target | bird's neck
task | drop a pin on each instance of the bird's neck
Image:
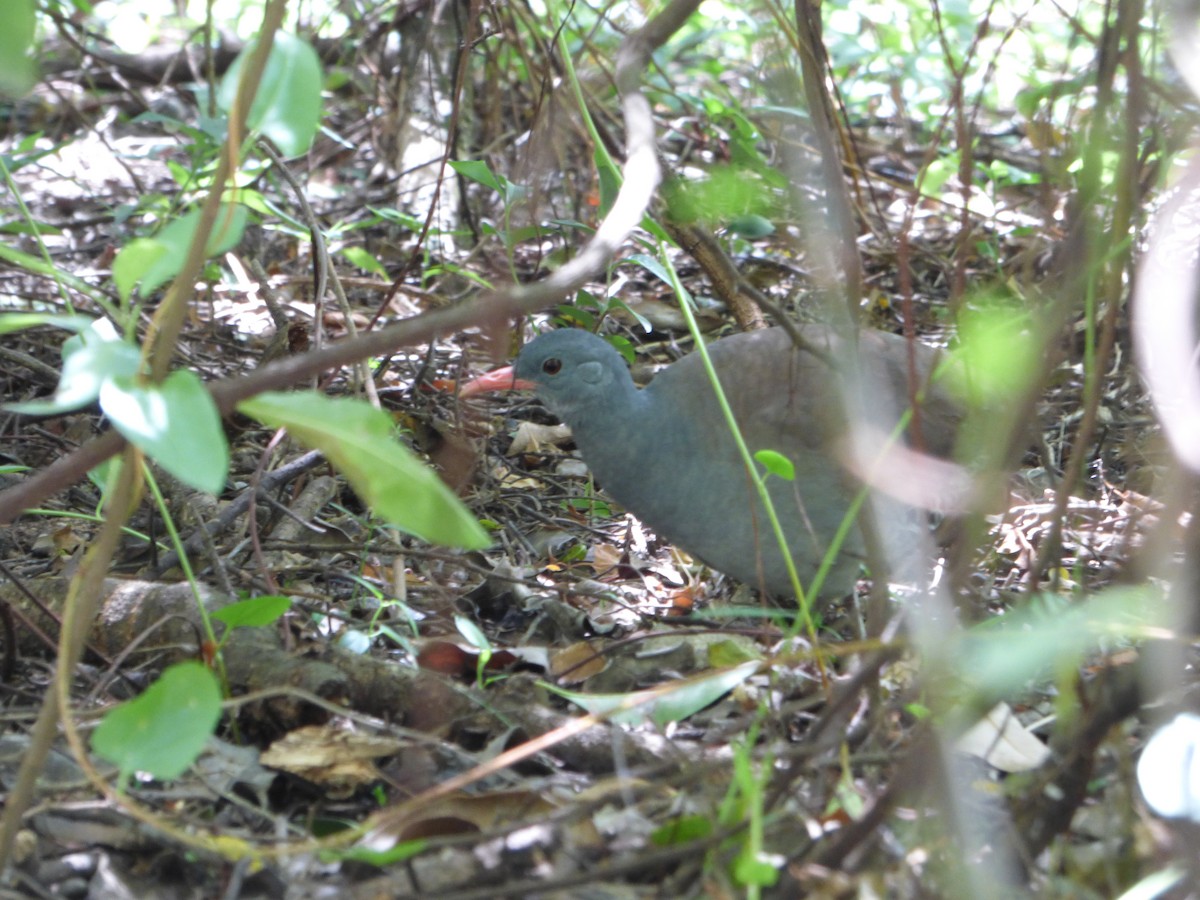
(622, 411)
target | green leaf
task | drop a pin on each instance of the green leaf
(154, 268)
(381, 859)
(937, 173)
(1000, 348)
(668, 703)
(651, 265)
(777, 464)
(656, 231)
(105, 474)
(181, 174)
(477, 170)
(175, 423)
(354, 641)
(253, 613)
(164, 730)
(17, 70)
(136, 258)
(736, 194)
(654, 267)
(472, 632)
(1004, 654)
(610, 181)
(751, 226)
(364, 260)
(357, 438)
(757, 869)
(36, 227)
(729, 653)
(576, 317)
(91, 358)
(11, 322)
(643, 322)
(510, 191)
(255, 202)
(682, 830)
(623, 346)
(287, 107)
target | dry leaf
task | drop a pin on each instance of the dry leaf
(339, 761)
(577, 663)
(531, 437)
(605, 557)
(1000, 740)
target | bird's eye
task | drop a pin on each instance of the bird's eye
(552, 366)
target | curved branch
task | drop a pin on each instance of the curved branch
(641, 179)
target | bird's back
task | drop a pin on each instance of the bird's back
(682, 475)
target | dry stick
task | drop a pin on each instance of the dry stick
(234, 510)
(9, 620)
(641, 174)
(1049, 327)
(911, 772)
(162, 337)
(731, 287)
(34, 601)
(816, 75)
(727, 283)
(814, 67)
(83, 598)
(845, 259)
(460, 79)
(322, 267)
(641, 179)
(1086, 237)
(962, 133)
(493, 306)
(1107, 698)
(252, 511)
(82, 601)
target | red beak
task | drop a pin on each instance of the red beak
(500, 380)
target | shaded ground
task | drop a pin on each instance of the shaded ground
(837, 763)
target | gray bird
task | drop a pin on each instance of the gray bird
(665, 454)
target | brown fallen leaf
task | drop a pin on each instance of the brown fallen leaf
(337, 760)
(530, 437)
(577, 663)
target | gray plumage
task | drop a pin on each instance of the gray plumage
(665, 454)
